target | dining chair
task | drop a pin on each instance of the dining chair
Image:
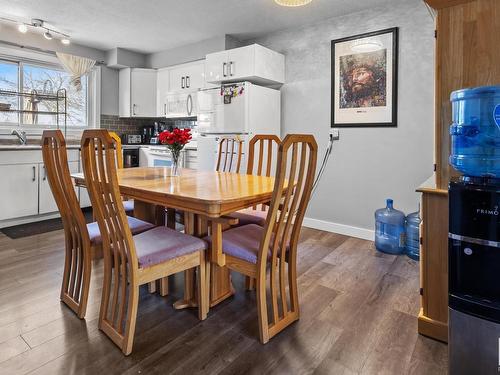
(131, 261)
(128, 204)
(83, 241)
(260, 165)
(229, 154)
(253, 250)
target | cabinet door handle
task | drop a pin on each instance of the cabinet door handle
(34, 173)
(133, 109)
(44, 173)
(182, 82)
(231, 64)
(188, 82)
(224, 69)
(165, 109)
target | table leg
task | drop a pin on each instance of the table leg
(220, 277)
(189, 299)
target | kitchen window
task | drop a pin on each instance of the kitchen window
(36, 112)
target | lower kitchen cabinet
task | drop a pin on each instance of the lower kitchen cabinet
(19, 190)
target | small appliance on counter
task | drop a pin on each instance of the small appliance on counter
(474, 233)
(390, 229)
(131, 139)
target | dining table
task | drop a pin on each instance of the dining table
(205, 197)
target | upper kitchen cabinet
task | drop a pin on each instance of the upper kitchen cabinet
(253, 63)
(189, 76)
(162, 89)
(137, 92)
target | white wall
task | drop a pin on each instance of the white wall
(367, 165)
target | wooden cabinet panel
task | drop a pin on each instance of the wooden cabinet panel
(467, 55)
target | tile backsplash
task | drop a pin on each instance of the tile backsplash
(122, 125)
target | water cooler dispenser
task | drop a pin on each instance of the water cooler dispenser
(474, 276)
(474, 233)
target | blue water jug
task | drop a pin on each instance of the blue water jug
(412, 241)
(475, 131)
(390, 229)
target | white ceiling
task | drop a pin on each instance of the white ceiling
(155, 25)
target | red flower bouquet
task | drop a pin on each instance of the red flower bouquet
(175, 142)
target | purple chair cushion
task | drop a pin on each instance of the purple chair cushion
(242, 242)
(161, 244)
(250, 216)
(128, 206)
(136, 226)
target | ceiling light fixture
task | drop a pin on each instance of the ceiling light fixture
(22, 28)
(47, 35)
(292, 3)
(38, 24)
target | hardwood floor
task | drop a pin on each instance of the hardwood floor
(358, 316)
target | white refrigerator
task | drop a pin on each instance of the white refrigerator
(241, 110)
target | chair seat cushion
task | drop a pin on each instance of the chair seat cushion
(242, 242)
(161, 244)
(136, 226)
(128, 206)
(250, 216)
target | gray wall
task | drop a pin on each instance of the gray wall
(190, 52)
(367, 165)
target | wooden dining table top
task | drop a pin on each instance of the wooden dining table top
(209, 193)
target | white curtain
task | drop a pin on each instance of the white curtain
(76, 66)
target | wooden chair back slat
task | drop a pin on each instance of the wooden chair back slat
(77, 265)
(229, 149)
(118, 149)
(264, 157)
(120, 260)
(297, 157)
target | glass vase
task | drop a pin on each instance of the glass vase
(175, 166)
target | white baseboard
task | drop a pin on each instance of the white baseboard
(347, 230)
(28, 219)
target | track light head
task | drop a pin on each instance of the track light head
(22, 28)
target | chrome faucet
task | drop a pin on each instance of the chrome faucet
(20, 135)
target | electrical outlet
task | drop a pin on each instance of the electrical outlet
(334, 132)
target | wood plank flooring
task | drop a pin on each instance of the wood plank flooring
(358, 316)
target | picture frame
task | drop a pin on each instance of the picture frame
(364, 80)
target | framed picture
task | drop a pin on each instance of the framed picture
(365, 80)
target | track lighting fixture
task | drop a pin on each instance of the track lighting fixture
(37, 23)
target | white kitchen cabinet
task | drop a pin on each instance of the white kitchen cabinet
(253, 63)
(162, 89)
(187, 77)
(137, 92)
(47, 203)
(19, 190)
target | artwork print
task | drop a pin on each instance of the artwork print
(364, 80)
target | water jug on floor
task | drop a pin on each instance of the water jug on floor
(475, 131)
(413, 235)
(390, 229)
